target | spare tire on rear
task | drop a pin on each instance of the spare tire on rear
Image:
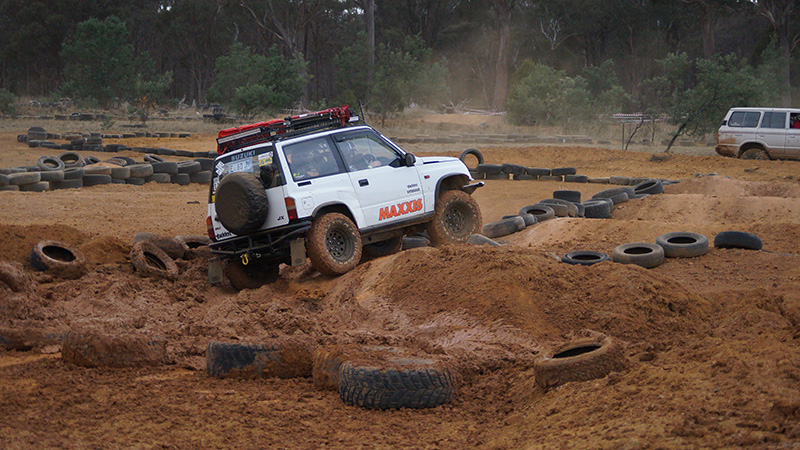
(241, 203)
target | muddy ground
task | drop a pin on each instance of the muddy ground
(712, 341)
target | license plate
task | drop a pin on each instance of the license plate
(244, 165)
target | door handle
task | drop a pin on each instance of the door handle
(363, 182)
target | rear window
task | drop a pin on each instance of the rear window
(744, 119)
(774, 120)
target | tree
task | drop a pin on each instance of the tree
(503, 9)
(250, 82)
(546, 96)
(148, 87)
(98, 61)
(780, 14)
(697, 93)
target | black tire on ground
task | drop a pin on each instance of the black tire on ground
(572, 209)
(58, 259)
(89, 160)
(141, 170)
(206, 164)
(471, 151)
(597, 209)
(529, 219)
(97, 170)
(35, 187)
(489, 169)
(579, 360)
(576, 178)
(503, 227)
(683, 244)
(397, 383)
(479, 239)
(241, 203)
(46, 163)
(151, 261)
(456, 217)
(192, 242)
(120, 173)
(135, 181)
(189, 167)
(159, 178)
(96, 180)
(67, 184)
(649, 187)
(563, 171)
(513, 169)
(11, 187)
(540, 211)
(558, 209)
(3, 180)
(584, 258)
(537, 172)
(581, 209)
(74, 173)
(252, 276)
(21, 178)
(93, 350)
(622, 181)
(738, 239)
(169, 167)
(182, 179)
(52, 175)
(551, 178)
(333, 244)
(410, 242)
(383, 248)
(642, 254)
(496, 176)
(277, 359)
(570, 196)
(170, 246)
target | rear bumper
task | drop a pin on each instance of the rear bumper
(726, 150)
(269, 246)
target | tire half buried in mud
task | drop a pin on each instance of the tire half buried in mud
(151, 261)
(397, 382)
(278, 359)
(94, 350)
(579, 360)
(58, 259)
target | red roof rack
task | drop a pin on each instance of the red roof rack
(234, 138)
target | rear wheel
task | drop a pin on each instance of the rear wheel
(456, 217)
(334, 244)
(755, 153)
(251, 276)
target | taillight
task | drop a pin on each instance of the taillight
(291, 208)
(210, 228)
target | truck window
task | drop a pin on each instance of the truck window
(362, 151)
(774, 120)
(743, 119)
(311, 159)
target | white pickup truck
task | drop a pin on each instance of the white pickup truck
(323, 186)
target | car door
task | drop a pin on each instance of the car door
(773, 132)
(388, 191)
(793, 136)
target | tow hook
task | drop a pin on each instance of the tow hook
(245, 259)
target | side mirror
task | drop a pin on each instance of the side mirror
(409, 159)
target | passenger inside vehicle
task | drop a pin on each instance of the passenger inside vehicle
(794, 120)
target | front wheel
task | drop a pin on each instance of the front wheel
(755, 153)
(456, 217)
(334, 244)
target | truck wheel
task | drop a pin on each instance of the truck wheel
(755, 153)
(384, 248)
(456, 217)
(334, 244)
(241, 203)
(252, 276)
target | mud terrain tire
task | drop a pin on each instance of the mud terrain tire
(642, 254)
(456, 217)
(540, 211)
(503, 227)
(252, 276)
(649, 187)
(471, 151)
(151, 261)
(579, 360)
(334, 244)
(278, 359)
(683, 244)
(241, 203)
(58, 259)
(398, 383)
(92, 350)
(570, 196)
(738, 239)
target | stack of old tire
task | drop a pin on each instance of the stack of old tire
(69, 171)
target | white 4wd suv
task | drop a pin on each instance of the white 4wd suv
(323, 186)
(760, 133)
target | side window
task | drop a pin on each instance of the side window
(774, 120)
(362, 151)
(311, 159)
(744, 119)
(794, 121)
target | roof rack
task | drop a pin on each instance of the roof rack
(235, 138)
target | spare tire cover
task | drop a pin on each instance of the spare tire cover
(241, 203)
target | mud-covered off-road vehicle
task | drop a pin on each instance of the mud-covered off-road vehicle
(327, 187)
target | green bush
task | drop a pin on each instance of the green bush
(8, 102)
